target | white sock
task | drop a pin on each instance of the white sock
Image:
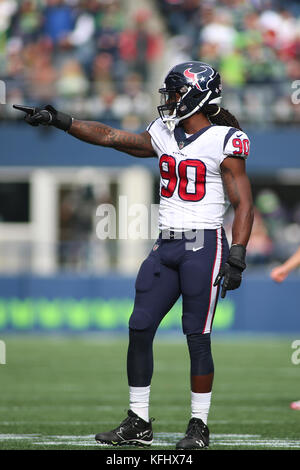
(139, 401)
(200, 404)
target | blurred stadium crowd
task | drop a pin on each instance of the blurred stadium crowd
(92, 57)
(255, 44)
(87, 56)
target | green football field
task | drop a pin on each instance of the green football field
(57, 392)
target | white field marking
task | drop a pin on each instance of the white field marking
(213, 422)
(261, 443)
(110, 408)
(270, 409)
(50, 407)
(81, 443)
(8, 437)
(250, 440)
(110, 422)
(93, 423)
(160, 440)
(245, 398)
(47, 386)
(231, 436)
(67, 423)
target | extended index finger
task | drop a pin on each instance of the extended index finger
(26, 109)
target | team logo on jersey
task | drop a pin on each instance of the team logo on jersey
(201, 78)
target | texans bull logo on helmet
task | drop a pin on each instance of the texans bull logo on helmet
(200, 78)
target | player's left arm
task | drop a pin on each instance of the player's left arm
(238, 189)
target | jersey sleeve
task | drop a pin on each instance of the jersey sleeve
(236, 144)
(156, 130)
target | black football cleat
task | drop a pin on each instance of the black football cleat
(196, 436)
(132, 431)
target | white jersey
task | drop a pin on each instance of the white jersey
(192, 195)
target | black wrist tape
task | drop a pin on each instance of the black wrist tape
(237, 255)
(60, 120)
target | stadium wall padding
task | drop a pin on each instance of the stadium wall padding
(271, 149)
(72, 303)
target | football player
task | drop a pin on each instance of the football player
(279, 274)
(201, 151)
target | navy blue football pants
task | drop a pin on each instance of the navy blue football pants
(175, 267)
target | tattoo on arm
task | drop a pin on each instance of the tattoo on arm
(97, 133)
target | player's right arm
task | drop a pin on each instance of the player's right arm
(96, 133)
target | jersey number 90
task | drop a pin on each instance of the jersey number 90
(191, 178)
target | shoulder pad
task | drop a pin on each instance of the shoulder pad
(236, 143)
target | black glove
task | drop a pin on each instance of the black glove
(47, 116)
(232, 269)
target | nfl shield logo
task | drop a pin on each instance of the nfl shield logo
(155, 247)
(181, 145)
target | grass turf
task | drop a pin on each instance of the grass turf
(57, 392)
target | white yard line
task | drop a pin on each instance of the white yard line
(160, 439)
